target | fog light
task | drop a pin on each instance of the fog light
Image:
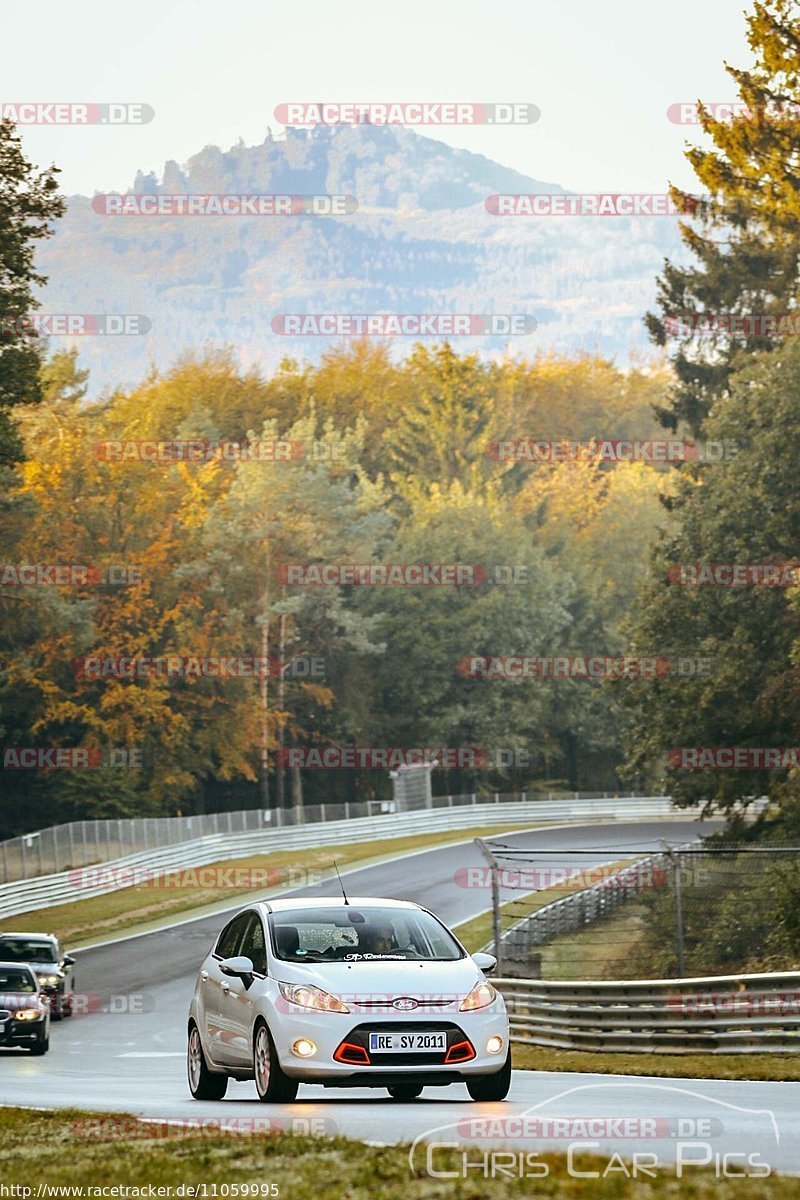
(304, 1048)
(494, 1045)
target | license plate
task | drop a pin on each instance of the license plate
(406, 1043)
(2, 1026)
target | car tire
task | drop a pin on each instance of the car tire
(491, 1087)
(272, 1085)
(203, 1084)
(40, 1046)
(405, 1091)
(66, 1006)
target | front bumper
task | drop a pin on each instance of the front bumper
(22, 1033)
(329, 1030)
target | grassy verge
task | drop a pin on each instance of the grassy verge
(43, 1148)
(179, 894)
(668, 1066)
(606, 950)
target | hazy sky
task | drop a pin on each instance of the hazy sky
(602, 74)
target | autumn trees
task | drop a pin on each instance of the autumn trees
(386, 463)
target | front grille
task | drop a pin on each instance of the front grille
(423, 1004)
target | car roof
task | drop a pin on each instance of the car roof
(4, 966)
(337, 902)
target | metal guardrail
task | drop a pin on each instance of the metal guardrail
(726, 1014)
(79, 843)
(67, 886)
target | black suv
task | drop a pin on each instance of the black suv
(24, 1012)
(52, 968)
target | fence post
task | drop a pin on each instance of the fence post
(675, 859)
(496, 933)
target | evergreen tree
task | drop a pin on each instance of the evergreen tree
(746, 246)
(29, 202)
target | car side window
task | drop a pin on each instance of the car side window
(231, 936)
(254, 946)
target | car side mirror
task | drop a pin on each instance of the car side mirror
(239, 968)
(68, 961)
(485, 962)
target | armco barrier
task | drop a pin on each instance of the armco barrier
(32, 894)
(81, 843)
(728, 1014)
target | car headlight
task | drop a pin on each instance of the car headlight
(27, 1014)
(307, 996)
(481, 996)
(49, 980)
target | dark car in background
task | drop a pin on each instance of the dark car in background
(52, 968)
(24, 1011)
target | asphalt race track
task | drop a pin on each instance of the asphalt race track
(133, 1061)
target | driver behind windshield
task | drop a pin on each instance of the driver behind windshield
(376, 939)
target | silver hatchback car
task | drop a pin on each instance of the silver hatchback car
(345, 993)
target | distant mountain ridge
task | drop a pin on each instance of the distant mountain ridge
(420, 242)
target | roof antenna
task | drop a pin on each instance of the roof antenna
(341, 885)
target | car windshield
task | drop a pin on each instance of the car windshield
(14, 949)
(14, 980)
(350, 934)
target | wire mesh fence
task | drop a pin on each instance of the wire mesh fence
(685, 910)
(82, 843)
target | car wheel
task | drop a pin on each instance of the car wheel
(491, 1087)
(203, 1084)
(271, 1083)
(41, 1045)
(405, 1091)
(66, 1006)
